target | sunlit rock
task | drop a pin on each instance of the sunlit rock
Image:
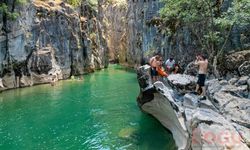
(233, 80)
(244, 133)
(215, 123)
(190, 100)
(183, 83)
(1, 83)
(243, 80)
(9, 81)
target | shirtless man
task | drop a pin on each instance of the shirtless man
(202, 62)
(154, 63)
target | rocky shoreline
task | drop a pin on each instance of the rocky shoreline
(222, 121)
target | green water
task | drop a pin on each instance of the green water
(99, 113)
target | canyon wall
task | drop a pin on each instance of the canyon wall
(52, 39)
(140, 34)
(49, 40)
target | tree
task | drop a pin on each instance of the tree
(206, 20)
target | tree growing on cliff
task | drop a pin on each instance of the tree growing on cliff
(210, 21)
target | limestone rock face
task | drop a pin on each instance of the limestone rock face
(50, 39)
(244, 68)
(145, 36)
(236, 59)
(114, 26)
(236, 63)
(221, 121)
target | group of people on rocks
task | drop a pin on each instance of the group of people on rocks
(160, 68)
(163, 69)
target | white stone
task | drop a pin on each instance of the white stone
(1, 83)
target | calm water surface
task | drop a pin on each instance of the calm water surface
(98, 113)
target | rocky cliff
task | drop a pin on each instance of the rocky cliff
(219, 122)
(49, 39)
(52, 39)
(143, 34)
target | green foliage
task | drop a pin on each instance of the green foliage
(21, 2)
(10, 15)
(92, 36)
(74, 3)
(93, 2)
(3, 8)
(206, 18)
(186, 11)
(239, 14)
(119, 3)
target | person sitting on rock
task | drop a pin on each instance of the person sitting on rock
(202, 62)
(170, 64)
(176, 68)
(160, 69)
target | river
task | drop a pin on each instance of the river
(98, 112)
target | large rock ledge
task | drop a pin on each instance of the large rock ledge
(222, 121)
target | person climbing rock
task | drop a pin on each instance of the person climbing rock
(202, 62)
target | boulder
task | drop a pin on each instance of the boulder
(243, 80)
(234, 60)
(215, 85)
(183, 83)
(216, 136)
(233, 80)
(233, 108)
(190, 100)
(244, 68)
(9, 81)
(26, 81)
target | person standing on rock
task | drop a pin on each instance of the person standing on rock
(202, 62)
(154, 63)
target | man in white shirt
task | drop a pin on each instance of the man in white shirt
(170, 64)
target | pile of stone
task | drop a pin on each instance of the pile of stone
(222, 121)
